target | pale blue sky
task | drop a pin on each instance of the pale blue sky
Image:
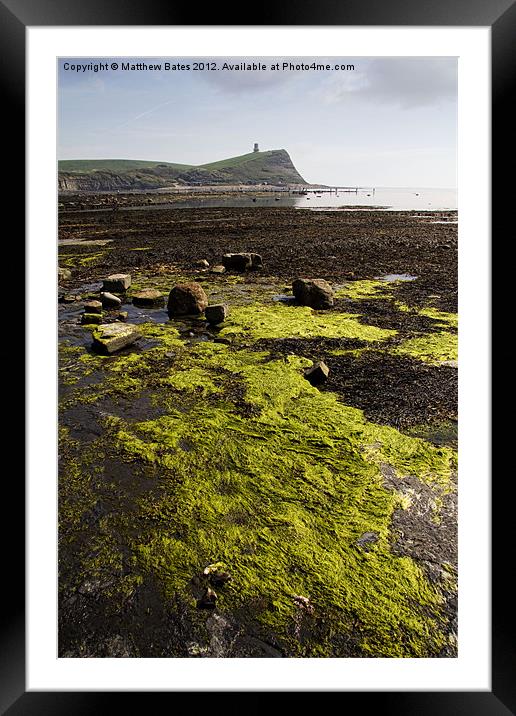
(390, 122)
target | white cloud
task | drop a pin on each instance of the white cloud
(400, 81)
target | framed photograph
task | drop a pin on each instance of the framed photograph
(258, 302)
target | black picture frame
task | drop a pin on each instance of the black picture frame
(500, 15)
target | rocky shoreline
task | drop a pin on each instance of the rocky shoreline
(297, 437)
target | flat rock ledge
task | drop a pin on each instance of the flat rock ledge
(112, 337)
(148, 298)
(118, 283)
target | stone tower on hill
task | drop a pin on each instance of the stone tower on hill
(256, 147)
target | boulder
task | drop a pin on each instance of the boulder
(70, 298)
(109, 300)
(93, 307)
(149, 298)
(318, 373)
(218, 268)
(112, 337)
(216, 314)
(186, 299)
(316, 293)
(63, 274)
(202, 264)
(118, 282)
(237, 262)
(122, 316)
(90, 318)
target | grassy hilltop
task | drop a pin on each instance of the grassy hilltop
(274, 167)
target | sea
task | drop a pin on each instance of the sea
(393, 199)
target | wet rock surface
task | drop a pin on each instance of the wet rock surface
(395, 390)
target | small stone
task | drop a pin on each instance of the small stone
(109, 300)
(63, 274)
(218, 268)
(70, 298)
(216, 314)
(90, 318)
(111, 337)
(93, 307)
(208, 599)
(237, 262)
(318, 373)
(149, 297)
(217, 574)
(366, 540)
(118, 282)
(122, 316)
(316, 293)
(303, 603)
(450, 363)
(202, 264)
(219, 578)
(211, 568)
(186, 299)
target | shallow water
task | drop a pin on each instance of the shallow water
(391, 277)
(395, 199)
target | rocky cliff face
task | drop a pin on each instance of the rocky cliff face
(274, 167)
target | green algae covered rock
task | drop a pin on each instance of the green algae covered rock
(112, 337)
(91, 318)
(93, 307)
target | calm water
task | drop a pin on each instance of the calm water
(394, 199)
